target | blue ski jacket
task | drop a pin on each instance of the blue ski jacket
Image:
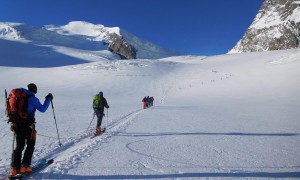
(35, 104)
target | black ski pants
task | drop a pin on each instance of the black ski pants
(99, 114)
(24, 136)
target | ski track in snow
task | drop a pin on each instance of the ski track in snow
(128, 146)
(71, 153)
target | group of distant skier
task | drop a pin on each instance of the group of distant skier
(147, 101)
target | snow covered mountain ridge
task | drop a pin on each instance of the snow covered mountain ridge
(7, 31)
(275, 27)
(85, 36)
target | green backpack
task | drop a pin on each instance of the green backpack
(97, 103)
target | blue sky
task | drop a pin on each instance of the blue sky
(196, 27)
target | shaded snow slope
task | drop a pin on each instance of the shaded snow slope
(146, 49)
(38, 47)
(219, 117)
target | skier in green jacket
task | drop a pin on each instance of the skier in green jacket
(99, 103)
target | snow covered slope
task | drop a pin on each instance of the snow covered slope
(276, 26)
(38, 47)
(76, 42)
(220, 117)
(98, 32)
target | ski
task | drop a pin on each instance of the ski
(42, 164)
(95, 135)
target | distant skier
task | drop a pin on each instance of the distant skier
(99, 103)
(24, 128)
(151, 100)
(148, 101)
(145, 102)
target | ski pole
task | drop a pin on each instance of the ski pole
(91, 122)
(106, 117)
(107, 114)
(55, 123)
(6, 105)
(13, 145)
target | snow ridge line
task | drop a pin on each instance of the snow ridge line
(70, 156)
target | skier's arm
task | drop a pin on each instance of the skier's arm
(42, 107)
(105, 103)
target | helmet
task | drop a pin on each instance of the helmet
(101, 93)
(32, 88)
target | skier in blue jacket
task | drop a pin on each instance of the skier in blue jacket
(25, 132)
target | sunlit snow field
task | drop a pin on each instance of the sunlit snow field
(226, 116)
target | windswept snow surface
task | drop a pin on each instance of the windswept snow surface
(220, 117)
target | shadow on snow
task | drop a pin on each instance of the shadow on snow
(17, 54)
(137, 134)
(183, 175)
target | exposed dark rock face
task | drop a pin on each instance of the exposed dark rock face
(275, 27)
(119, 46)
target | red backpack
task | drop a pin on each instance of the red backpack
(16, 105)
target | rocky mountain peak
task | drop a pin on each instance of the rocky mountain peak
(275, 27)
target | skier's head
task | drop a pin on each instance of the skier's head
(101, 93)
(32, 88)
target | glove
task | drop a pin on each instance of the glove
(49, 96)
(107, 106)
(13, 128)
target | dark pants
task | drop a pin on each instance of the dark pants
(99, 115)
(24, 135)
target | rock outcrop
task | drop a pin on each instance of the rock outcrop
(275, 27)
(119, 46)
